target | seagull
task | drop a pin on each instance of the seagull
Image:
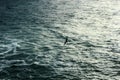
(66, 40)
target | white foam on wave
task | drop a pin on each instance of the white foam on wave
(14, 43)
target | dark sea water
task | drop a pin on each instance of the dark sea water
(32, 35)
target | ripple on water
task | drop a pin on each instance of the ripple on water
(28, 71)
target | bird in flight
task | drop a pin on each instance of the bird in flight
(66, 40)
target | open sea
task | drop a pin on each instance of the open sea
(33, 32)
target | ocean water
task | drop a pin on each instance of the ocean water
(32, 35)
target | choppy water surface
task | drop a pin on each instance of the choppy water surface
(32, 33)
